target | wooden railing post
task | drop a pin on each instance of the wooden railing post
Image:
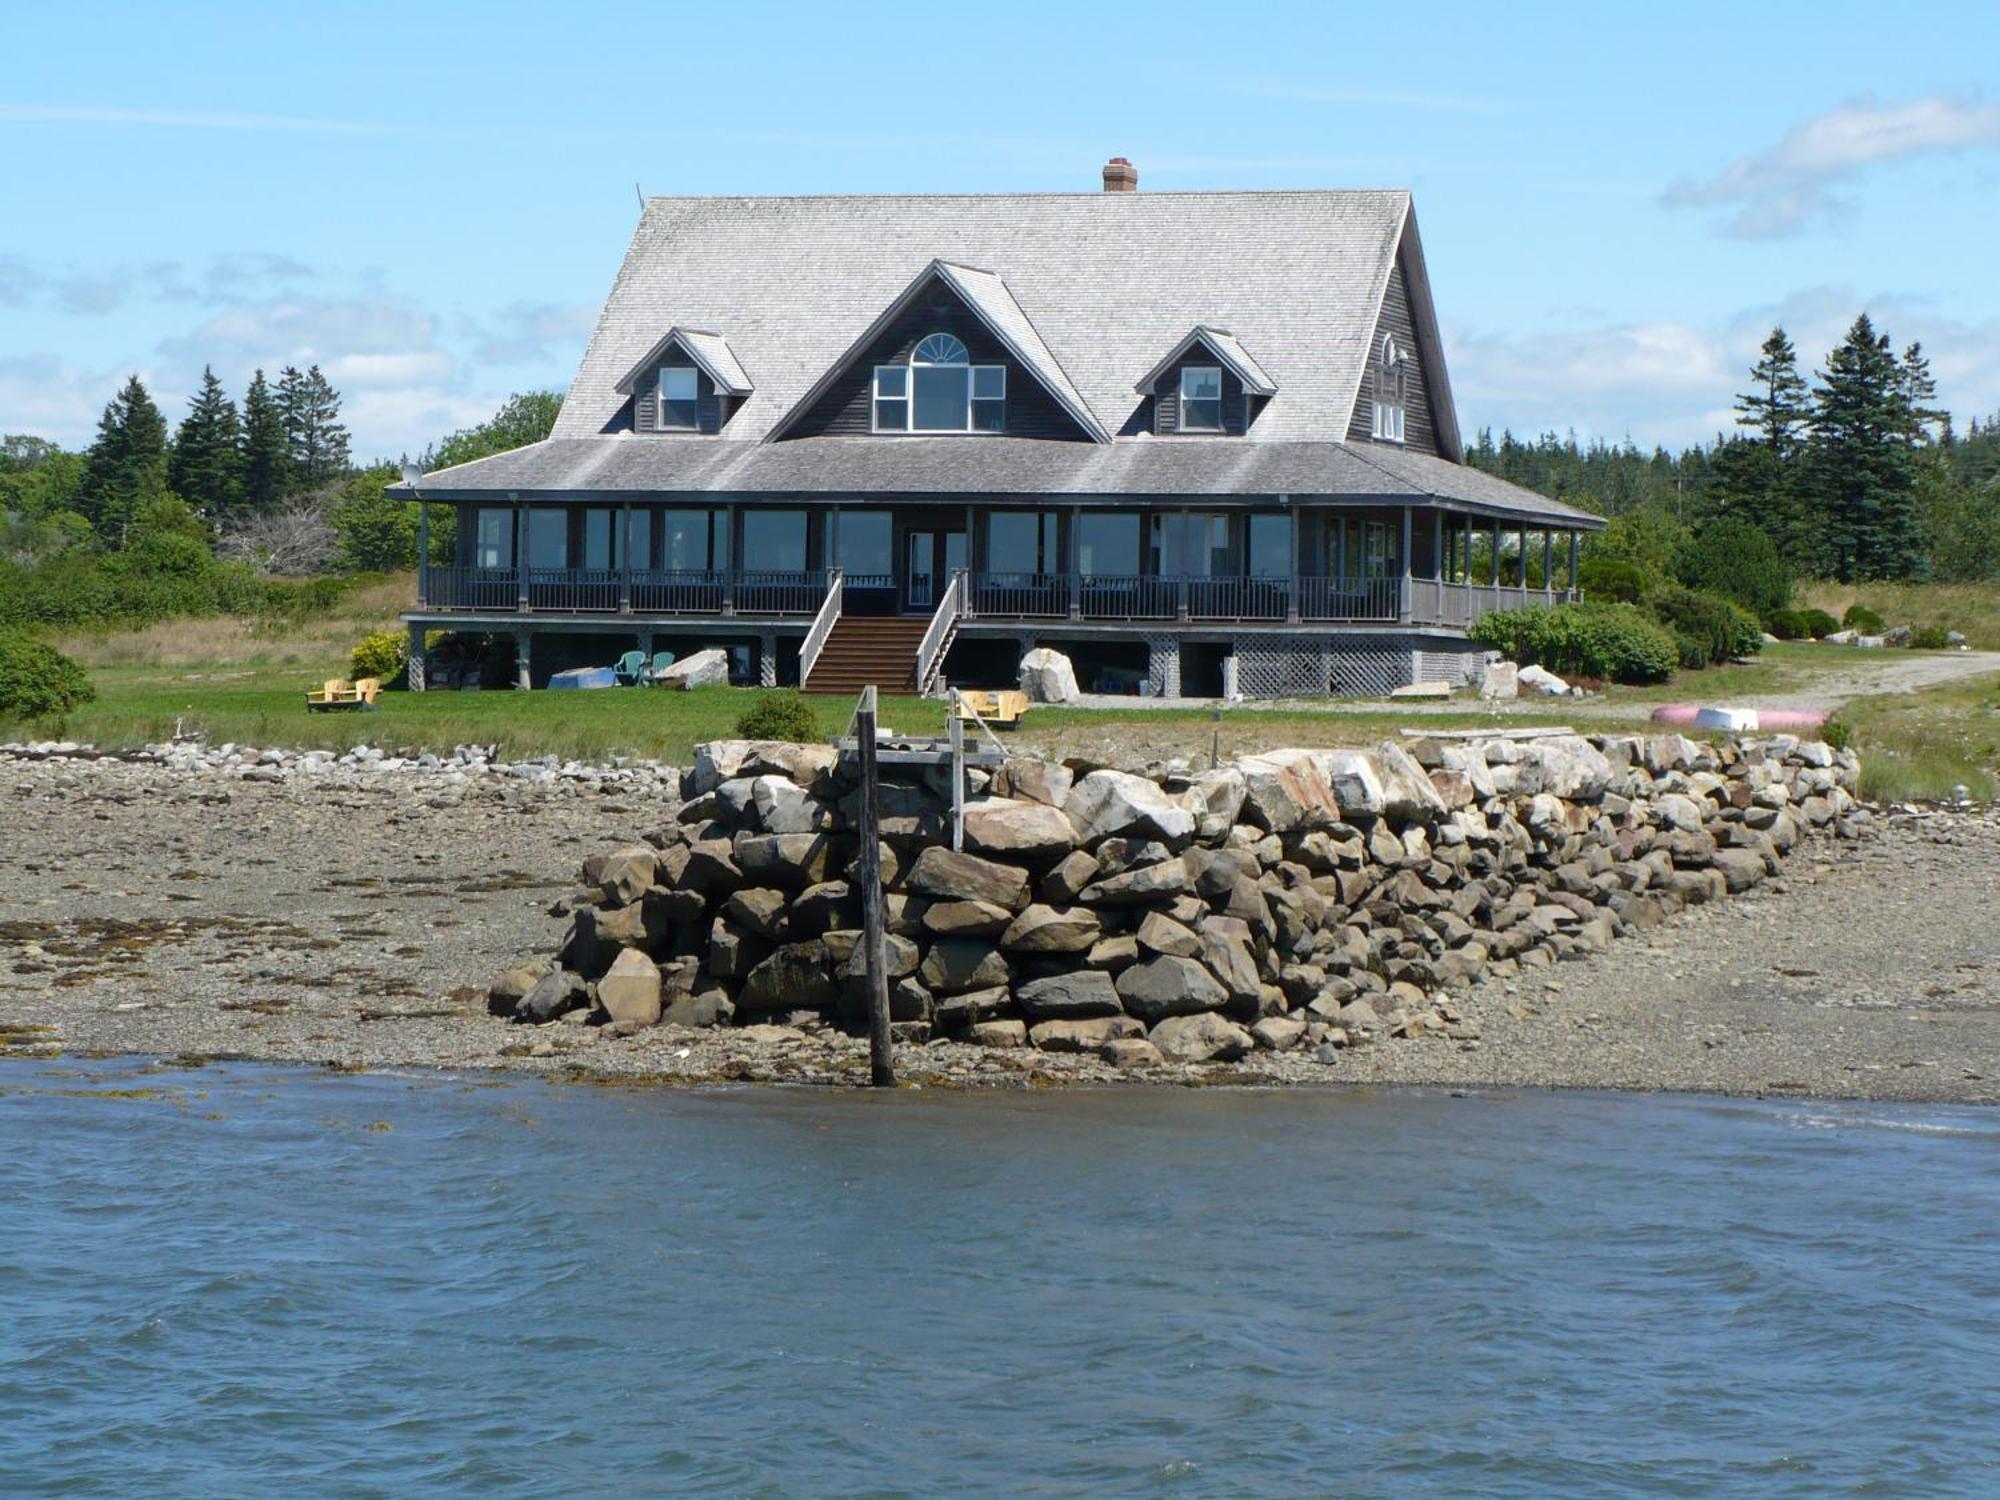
(881, 1053)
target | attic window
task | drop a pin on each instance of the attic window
(1390, 378)
(680, 410)
(1201, 398)
(940, 390)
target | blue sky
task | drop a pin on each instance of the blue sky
(429, 201)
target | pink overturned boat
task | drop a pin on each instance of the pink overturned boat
(1740, 720)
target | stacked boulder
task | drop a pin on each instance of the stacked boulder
(1298, 898)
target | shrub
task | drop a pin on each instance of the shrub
(1788, 625)
(1820, 624)
(1836, 733)
(1612, 578)
(1749, 632)
(779, 716)
(1735, 560)
(1708, 628)
(37, 681)
(1614, 641)
(1863, 620)
(380, 656)
(1930, 638)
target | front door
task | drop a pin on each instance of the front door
(930, 559)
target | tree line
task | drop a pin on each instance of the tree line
(1853, 475)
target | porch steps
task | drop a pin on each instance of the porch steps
(861, 649)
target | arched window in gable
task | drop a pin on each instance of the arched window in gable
(940, 390)
(1391, 382)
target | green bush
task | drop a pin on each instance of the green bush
(1820, 624)
(1930, 638)
(1611, 578)
(1749, 632)
(37, 681)
(1836, 734)
(380, 656)
(1862, 620)
(1613, 641)
(1789, 625)
(1735, 560)
(783, 715)
(1709, 629)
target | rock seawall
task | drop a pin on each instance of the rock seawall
(1299, 899)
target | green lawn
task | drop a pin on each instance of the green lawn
(1927, 744)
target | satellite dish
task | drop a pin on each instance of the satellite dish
(411, 474)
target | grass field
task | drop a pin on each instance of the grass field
(1929, 743)
(1971, 607)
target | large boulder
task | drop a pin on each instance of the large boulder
(955, 965)
(630, 990)
(1572, 767)
(1051, 929)
(952, 876)
(1029, 832)
(1500, 682)
(1286, 790)
(1201, 1038)
(708, 668)
(555, 992)
(791, 860)
(1137, 887)
(1168, 986)
(1106, 803)
(1407, 793)
(793, 978)
(1216, 799)
(1021, 780)
(1048, 677)
(1356, 781)
(624, 875)
(1069, 997)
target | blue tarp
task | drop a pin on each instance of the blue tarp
(584, 677)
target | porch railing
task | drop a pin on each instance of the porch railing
(822, 627)
(575, 590)
(472, 588)
(662, 591)
(768, 592)
(943, 626)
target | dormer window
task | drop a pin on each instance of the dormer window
(1390, 378)
(1201, 398)
(680, 405)
(940, 390)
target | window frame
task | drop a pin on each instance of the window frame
(906, 398)
(1391, 395)
(660, 422)
(1181, 422)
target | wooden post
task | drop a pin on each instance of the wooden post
(881, 1055)
(423, 554)
(957, 732)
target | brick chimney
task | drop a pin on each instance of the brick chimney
(1120, 176)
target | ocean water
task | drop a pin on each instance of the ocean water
(251, 1281)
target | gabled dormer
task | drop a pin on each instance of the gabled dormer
(1403, 396)
(689, 382)
(953, 354)
(1207, 385)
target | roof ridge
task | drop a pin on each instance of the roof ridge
(1093, 193)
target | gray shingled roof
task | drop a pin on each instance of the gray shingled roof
(708, 350)
(1106, 281)
(631, 466)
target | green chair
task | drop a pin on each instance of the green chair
(661, 661)
(630, 669)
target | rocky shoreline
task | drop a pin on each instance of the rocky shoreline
(334, 917)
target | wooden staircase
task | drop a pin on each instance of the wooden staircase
(864, 649)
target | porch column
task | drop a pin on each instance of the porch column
(1548, 562)
(1291, 597)
(1075, 564)
(423, 559)
(832, 558)
(419, 668)
(1409, 568)
(1437, 546)
(767, 659)
(1496, 564)
(1186, 564)
(521, 557)
(523, 679)
(1524, 559)
(1572, 564)
(729, 570)
(624, 545)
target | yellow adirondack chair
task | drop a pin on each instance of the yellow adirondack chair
(340, 695)
(1003, 708)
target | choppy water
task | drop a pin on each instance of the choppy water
(264, 1281)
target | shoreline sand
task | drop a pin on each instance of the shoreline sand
(354, 922)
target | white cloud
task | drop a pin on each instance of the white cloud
(1675, 383)
(1781, 190)
(226, 280)
(534, 333)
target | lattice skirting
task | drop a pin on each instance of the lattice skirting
(1370, 669)
(1455, 667)
(1163, 665)
(1281, 668)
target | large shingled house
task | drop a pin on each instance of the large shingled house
(906, 439)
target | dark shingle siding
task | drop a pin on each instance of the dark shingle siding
(1419, 428)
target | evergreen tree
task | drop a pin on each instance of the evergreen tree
(1776, 409)
(1860, 478)
(206, 465)
(126, 467)
(1919, 391)
(314, 436)
(267, 459)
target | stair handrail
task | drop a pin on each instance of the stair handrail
(822, 626)
(931, 649)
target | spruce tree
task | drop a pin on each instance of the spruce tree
(1861, 478)
(206, 465)
(1761, 479)
(1919, 393)
(267, 459)
(126, 467)
(313, 432)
